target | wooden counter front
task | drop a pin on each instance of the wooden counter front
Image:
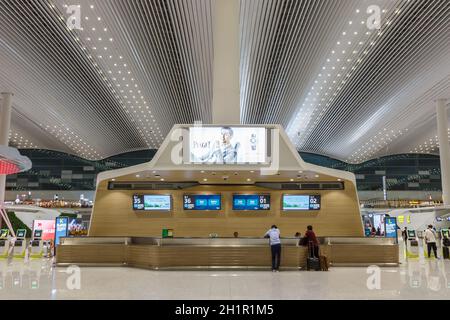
(92, 253)
(205, 256)
(181, 256)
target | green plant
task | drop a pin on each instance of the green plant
(16, 223)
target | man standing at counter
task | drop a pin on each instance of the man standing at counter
(275, 247)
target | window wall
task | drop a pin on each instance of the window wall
(59, 171)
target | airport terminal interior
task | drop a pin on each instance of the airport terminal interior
(224, 149)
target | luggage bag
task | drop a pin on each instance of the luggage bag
(312, 262)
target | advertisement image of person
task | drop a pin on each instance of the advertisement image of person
(224, 151)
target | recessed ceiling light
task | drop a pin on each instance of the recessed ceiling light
(248, 179)
(205, 180)
(137, 176)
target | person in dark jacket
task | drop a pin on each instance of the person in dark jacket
(405, 235)
(311, 239)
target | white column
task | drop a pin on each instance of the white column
(5, 124)
(226, 88)
(444, 148)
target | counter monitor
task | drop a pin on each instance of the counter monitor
(300, 202)
(251, 202)
(202, 202)
(152, 202)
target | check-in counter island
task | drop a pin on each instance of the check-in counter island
(219, 253)
(267, 183)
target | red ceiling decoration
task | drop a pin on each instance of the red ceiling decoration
(8, 167)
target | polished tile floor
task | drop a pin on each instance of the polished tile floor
(39, 279)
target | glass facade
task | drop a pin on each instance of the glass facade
(403, 171)
(54, 170)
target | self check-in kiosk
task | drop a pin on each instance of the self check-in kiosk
(4, 243)
(47, 248)
(36, 245)
(20, 245)
(412, 247)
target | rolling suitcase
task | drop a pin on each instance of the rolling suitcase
(445, 252)
(312, 262)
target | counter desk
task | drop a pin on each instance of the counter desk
(219, 253)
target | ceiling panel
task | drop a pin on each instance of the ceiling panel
(135, 68)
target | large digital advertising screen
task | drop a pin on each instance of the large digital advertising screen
(374, 224)
(251, 202)
(69, 227)
(227, 145)
(61, 228)
(301, 202)
(76, 228)
(47, 227)
(202, 202)
(391, 227)
(152, 202)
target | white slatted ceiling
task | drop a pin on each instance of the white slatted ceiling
(140, 66)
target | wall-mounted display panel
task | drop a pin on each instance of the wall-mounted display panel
(47, 228)
(300, 202)
(249, 202)
(225, 145)
(152, 202)
(202, 202)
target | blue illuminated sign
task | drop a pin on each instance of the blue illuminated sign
(391, 227)
(202, 202)
(61, 227)
(251, 202)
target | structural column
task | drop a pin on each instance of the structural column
(444, 148)
(226, 88)
(5, 124)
